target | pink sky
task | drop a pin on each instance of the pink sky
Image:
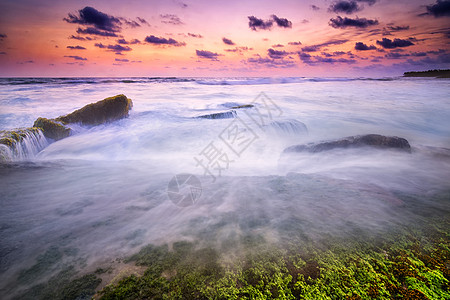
(223, 38)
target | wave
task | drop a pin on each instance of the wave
(202, 81)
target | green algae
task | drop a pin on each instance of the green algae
(52, 129)
(409, 263)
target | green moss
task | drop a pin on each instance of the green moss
(52, 129)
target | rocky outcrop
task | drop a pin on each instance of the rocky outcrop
(369, 140)
(429, 73)
(52, 129)
(220, 115)
(108, 110)
(21, 143)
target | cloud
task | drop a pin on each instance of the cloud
(395, 55)
(195, 35)
(282, 22)
(163, 41)
(295, 43)
(271, 63)
(207, 54)
(389, 44)
(2, 36)
(440, 9)
(3, 53)
(330, 60)
(25, 62)
(115, 48)
(125, 42)
(228, 41)
(143, 21)
(80, 38)
(275, 54)
(418, 54)
(340, 22)
(76, 57)
(131, 23)
(317, 47)
(278, 46)
(76, 48)
(171, 19)
(122, 60)
(91, 16)
(370, 2)
(343, 6)
(315, 8)
(238, 49)
(254, 23)
(398, 28)
(95, 31)
(363, 47)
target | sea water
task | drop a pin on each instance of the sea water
(106, 191)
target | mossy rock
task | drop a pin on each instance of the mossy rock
(243, 106)
(107, 110)
(52, 129)
(10, 138)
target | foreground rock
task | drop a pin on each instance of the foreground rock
(108, 110)
(220, 115)
(21, 143)
(52, 129)
(371, 140)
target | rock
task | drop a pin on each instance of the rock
(10, 138)
(107, 110)
(220, 115)
(243, 106)
(52, 129)
(429, 73)
(372, 140)
(287, 128)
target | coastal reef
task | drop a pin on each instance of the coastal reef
(220, 115)
(370, 140)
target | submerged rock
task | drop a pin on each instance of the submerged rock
(286, 128)
(52, 129)
(372, 140)
(220, 115)
(107, 110)
(243, 106)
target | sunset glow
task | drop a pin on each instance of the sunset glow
(223, 38)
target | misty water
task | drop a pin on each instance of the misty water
(102, 193)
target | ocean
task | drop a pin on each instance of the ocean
(163, 174)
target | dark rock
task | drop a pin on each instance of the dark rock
(243, 106)
(107, 110)
(220, 115)
(52, 129)
(372, 140)
(286, 128)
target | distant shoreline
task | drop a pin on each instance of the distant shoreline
(429, 73)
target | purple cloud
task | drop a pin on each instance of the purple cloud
(76, 48)
(282, 22)
(207, 54)
(254, 23)
(363, 47)
(343, 6)
(163, 41)
(115, 48)
(228, 41)
(195, 35)
(340, 22)
(95, 31)
(171, 19)
(440, 9)
(397, 43)
(275, 54)
(125, 42)
(91, 16)
(76, 57)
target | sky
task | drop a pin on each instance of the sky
(201, 38)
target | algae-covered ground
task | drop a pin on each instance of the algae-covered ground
(409, 260)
